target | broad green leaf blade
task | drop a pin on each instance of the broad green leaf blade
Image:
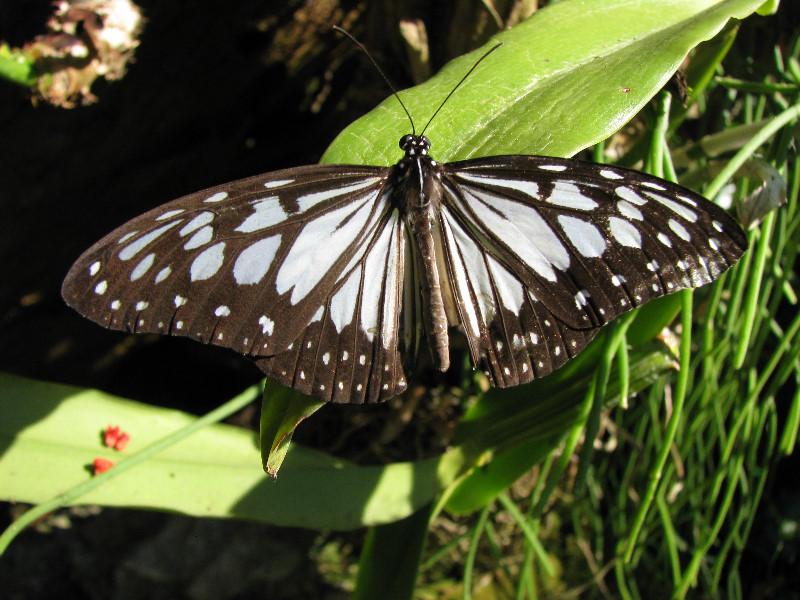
(566, 78)
(50, 434)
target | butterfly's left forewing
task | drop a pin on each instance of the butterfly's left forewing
(301, 269)
(544, 251)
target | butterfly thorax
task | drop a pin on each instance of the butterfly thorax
(417, 181)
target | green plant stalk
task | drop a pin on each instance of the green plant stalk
(672, 426)
(215, 416)
(707, 539)
(472, 551)
(757, 87)
(529, 533)
(669, 534)
(752, 303)
(789, 437)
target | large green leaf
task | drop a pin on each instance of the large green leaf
(50, 434)
(566, 78)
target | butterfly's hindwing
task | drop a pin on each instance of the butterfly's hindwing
(350, 349)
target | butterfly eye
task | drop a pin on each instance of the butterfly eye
(406, 141)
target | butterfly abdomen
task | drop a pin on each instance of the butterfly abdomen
(417, 180)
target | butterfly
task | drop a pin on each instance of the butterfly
(335, 278)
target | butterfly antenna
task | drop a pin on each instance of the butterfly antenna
(382, 74)
(463, 79)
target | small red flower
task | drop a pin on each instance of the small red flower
(101, 465)
(121, 442)
(114, 437)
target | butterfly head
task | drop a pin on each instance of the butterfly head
(415, 145)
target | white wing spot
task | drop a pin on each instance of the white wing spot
(326, 358)
(201, 220)
(386, 367)
(303, 375)
(140, 323)
(534, 338)
(585, 236)
(115, 305)
(717, 225)
(609, 174)
(345, 355)
(143, 266)
(179, 325)
(201, 238)
(628, 194)
(278, 183)
(713, 243)
(362, 359)
(506, 370)
(626, 209)
(618, 280)
(267, 325)
(307, 201)
(654, 186)
(582, 298)
(222, 311)
(101, 288)
(682, 265)
(556, 168)
(254, 261)
(499, 346)
(524, 367)
(529, 188)
(141, 305)
(624, 232)
(218, 197)
(322, 388)
(268, 212)
(169, 214)
(132, 249)
(359, 387)
(126, 237)
(309, 344)
(342, 306)
(341, 385)
(652, 266)
(94, 268)
(508, 288)
(655, 287)
(180, 301)
(676, 207)
(207, 263)
(664, 240)
(557, 351)
(386, 386)
(680, 230)
(219, 336)
(569, 195)
(163, 274)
